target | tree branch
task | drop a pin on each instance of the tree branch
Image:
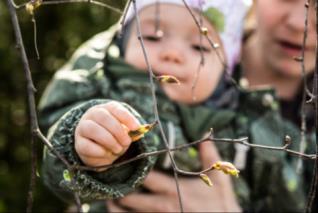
(243, 141)
(314, 182)
(114, 9)
(35, 131)
(155, 106)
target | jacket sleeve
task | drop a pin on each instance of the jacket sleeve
(112, 183)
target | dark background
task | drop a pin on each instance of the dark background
(60, 30)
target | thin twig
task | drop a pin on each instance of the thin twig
(155, 106)
(123, 17)
(212, 44)
(30, 85)
(75, 1)
(303, 126)
(243, 141)
(157, 16)
(30, 90)
(32, 176)
(201, 63)
(106, 6)
(314, 182)
(30, 94)
(48, 144)
(229, 77)
(35, 37)
(78, 202)
(15, 5)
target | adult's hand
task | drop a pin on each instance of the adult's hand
(196, 196)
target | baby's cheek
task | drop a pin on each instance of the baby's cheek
(171, 91)
(137, 62)
(135, 57)
(182, 93)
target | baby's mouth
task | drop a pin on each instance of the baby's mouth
(159, 73)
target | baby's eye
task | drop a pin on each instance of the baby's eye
(198, 47)
(152, 38)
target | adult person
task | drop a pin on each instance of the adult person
(273, 41)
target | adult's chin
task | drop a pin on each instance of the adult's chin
(289, 68)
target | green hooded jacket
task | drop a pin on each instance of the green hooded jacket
(268, 181)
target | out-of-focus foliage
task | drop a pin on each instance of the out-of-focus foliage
(61, 29)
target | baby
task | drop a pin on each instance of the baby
(103, 93)
(101, 136)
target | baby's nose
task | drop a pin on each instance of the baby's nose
(172, 55)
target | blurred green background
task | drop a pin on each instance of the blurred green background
(60, 30)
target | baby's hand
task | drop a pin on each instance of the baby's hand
(101, 135)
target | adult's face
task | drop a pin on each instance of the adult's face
(280, 31)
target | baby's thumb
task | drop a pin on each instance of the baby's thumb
(208, 154)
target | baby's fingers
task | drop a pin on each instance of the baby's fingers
(123, 115)
(95, 132)
(92, 154)
(105, 118)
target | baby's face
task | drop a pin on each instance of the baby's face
(177, 52)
